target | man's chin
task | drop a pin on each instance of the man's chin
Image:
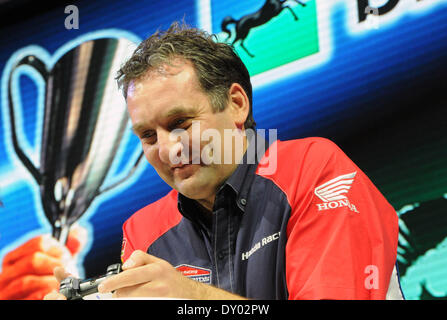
(191, 193)
(191, 188)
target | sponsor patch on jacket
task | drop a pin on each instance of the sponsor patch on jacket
(196, 273)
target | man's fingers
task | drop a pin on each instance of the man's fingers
(40, 295)
(139, 268)
(28, 285)
(139, 258)
(54, 296)
(127, 278)
(60, 274)
(150, 289)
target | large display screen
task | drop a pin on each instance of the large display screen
(369, 75)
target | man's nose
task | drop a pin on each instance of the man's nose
(171, 148)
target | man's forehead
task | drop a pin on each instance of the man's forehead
(164, 70)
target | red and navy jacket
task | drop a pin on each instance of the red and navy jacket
(315, 227)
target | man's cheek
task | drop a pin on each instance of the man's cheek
(152, 156)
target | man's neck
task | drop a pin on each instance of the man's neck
(207, 204)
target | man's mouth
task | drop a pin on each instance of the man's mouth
(180, 166)
(183, 171)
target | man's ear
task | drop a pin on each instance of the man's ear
(239, 104)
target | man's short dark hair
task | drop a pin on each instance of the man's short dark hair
(216, 64)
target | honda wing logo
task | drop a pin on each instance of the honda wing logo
(333, 190)
(333, 193)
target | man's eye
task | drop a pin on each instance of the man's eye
(177, 123)
(148, 136)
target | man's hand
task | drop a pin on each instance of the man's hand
(147, 276)
(27, 271)
(60, 274)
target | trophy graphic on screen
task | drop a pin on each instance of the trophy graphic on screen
(84, 119)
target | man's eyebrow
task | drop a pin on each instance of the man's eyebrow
(171, 113)
(179, 110)
(137, 128)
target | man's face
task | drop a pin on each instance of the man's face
(164, 101)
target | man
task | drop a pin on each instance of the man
(314, 227)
